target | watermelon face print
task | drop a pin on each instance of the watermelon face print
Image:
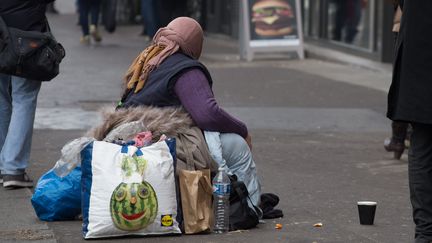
(133, 206)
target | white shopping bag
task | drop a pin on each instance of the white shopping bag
(128, 191)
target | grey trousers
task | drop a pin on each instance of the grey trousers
(232, 151)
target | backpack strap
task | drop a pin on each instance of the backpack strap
(242, 195)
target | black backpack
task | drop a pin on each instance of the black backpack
(241, 215)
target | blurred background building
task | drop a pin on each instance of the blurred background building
(361, 28)
(357, 27)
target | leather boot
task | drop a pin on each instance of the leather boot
(396, 143)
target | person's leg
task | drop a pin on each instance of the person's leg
(5, 110)
(95, 6)
(420, 180)
(143, 21)
(150, 17)
(239, 160)
(17, 146)
(84, 6)
(340, 17)
(94, 12)
(355, 12)
(396, 143)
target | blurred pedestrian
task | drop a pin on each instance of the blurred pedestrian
(18, 97)
(396, 143)
(92, 8)
(150, 17)
(347, 18)
(410, 100)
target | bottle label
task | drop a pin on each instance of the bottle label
(222, 189)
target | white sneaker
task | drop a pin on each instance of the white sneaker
(85, 40)
(95, 33)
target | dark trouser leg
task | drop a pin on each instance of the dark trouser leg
(340, 18)
(94, 11)
(399, 131)
(353, 20)
(150, 17)
(420, 180)
(84, 6)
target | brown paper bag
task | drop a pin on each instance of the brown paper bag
(196, 198)
(195, 183)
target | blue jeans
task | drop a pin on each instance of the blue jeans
(18, 97)
(150, 17)
(239, 161)
(231, 151)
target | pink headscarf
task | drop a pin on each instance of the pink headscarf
(183, 33)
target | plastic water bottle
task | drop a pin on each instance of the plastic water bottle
(221, 193)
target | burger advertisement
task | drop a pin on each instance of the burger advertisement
(273, 19)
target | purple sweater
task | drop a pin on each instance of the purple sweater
(196, 96)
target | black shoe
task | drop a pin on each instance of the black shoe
(17, 181)
(268, 202)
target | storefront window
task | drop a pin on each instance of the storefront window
(349, 22)
(345, 22)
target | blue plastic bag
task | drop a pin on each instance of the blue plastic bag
(57, 198)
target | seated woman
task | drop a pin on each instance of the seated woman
(167, 74)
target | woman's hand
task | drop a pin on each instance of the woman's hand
(249, 141)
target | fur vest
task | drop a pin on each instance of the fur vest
(171, 121)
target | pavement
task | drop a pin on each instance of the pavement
(317, 128)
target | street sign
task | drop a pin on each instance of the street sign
(268, 26)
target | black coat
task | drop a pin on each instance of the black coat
(410, 95)
(24, 14)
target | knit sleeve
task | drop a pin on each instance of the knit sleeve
(196, 96)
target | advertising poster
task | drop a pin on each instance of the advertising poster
(273, 20)
(270, 26)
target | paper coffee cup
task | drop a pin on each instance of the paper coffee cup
(366, 212)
